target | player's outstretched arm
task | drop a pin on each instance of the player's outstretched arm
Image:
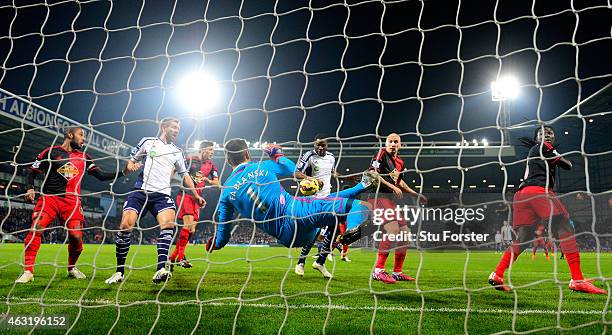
(39, 166)
(284, 167)
(396, 190)
(188, 183)
(99, 174)
(131, 166)
(224, 228)
(31, 193)
(553, 156)
(409, 190)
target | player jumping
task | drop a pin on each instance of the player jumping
(254, 191)
(204, 172)
(64, 166)
(535, 201)
(152, 193)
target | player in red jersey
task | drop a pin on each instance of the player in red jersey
(390, 166)
(539, 242)
(534, 202)
(204, 172)
(64, 167)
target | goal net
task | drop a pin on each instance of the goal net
(459, 82)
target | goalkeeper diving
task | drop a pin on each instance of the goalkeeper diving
(253, 190)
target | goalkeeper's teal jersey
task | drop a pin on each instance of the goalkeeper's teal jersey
(254, 191)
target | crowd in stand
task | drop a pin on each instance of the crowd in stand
(18, 221)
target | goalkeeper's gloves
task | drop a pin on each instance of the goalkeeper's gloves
(274, 151)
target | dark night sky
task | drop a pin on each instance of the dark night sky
(96, 65)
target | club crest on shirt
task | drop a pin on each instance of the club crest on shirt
(68, 171)
(376, 164)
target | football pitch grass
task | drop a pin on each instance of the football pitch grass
(263, 295)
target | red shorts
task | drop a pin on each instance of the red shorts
(533, 204)
(187, 206)
(49, 207)
(386, 203)
(539, 242)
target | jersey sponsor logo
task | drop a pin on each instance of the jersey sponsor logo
(68, 171)
(394, 174)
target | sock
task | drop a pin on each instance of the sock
(572, 255)
(32, 245)
(164, 241)
(383, 253)
(306, 251)
(546, 251)
(400, 256)
(509, 256)
(75, 247)
(122, 247)
(182, 242)
(326, 249)
(344, 250)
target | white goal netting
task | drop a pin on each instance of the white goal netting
(286, 71)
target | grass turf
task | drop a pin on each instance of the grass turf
(451, 295)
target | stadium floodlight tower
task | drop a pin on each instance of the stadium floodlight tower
(505, 89)
(198, 92)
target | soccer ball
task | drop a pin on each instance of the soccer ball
(309, 186)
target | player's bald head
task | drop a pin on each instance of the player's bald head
(393, 143)
(236, 151)
(393, 136)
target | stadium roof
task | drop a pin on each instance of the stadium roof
(27, 128)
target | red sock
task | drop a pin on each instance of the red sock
(32, 245)
(509, 256)
(181, 243)
(174, 253)
(572, 255)
(400, 256)
(546, 251)
(75, 247)
(344, 249)
(383, 253)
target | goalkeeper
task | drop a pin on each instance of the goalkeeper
(254, 191)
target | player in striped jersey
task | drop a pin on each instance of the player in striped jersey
(160, 158)
(319, 164)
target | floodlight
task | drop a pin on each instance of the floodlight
(198, 92)
(504, 88)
